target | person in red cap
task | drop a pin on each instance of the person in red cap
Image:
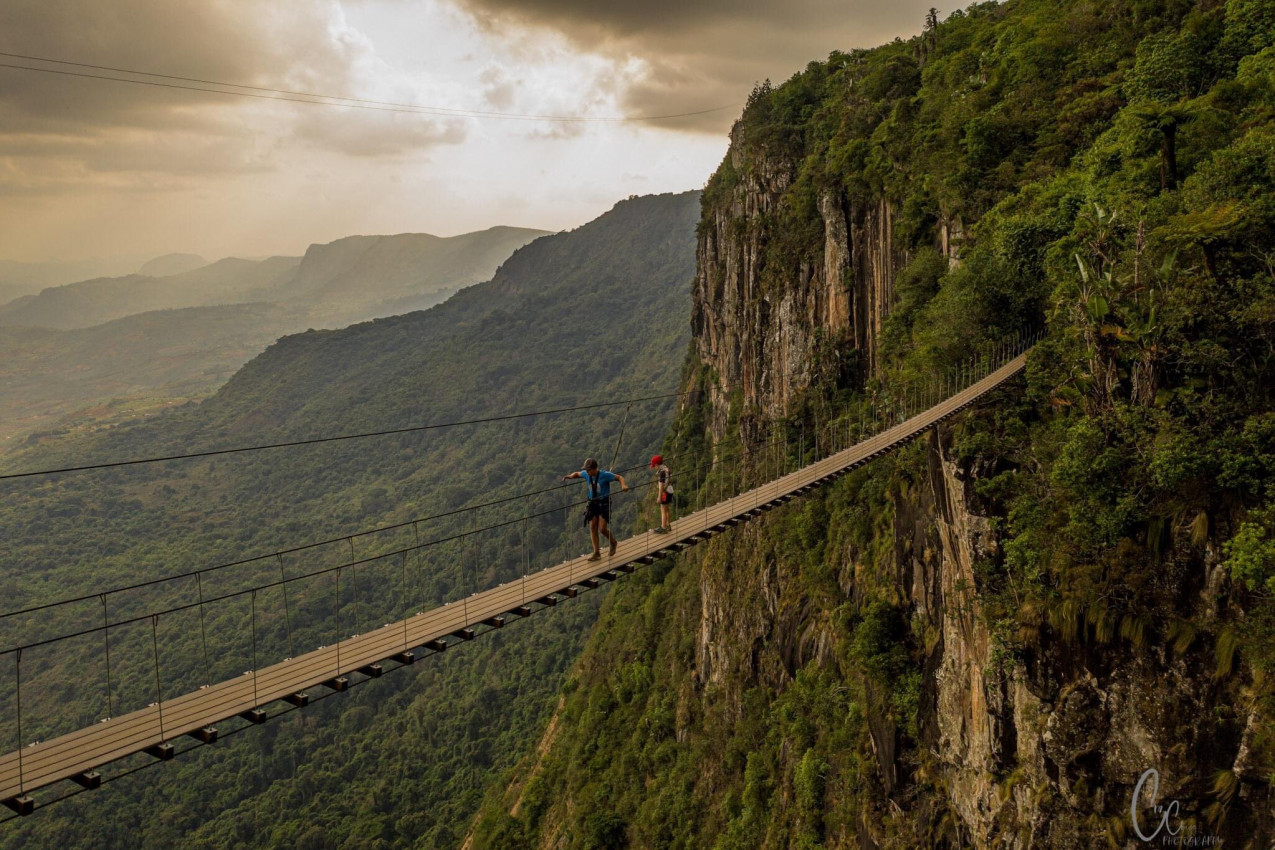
(664, 492)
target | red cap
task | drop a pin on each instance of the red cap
(656, 461)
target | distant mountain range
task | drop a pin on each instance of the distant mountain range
(18, 279)
(154, 339)
(349, 280)
(93, 302)
(172, 264)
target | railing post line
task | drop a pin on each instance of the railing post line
(403, 601)
(526, 547)
(255, 703)
(354, 585)
(287, 609)
(159, 693)
(106, 637)
(337, 614)
(203, 628)
(17, 674)
(416, 534)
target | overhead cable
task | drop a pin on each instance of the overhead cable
(318, 440)
(293, 96)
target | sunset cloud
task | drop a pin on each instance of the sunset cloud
(105, 167)
(688, 56)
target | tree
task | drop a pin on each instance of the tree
(1165, 74)
(1167, 119)
(930, 36)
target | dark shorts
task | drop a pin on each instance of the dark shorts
(665, 498)
(597, 508)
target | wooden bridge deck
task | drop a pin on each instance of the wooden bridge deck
(74, 756)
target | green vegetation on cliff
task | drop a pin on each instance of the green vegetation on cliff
(1104, 171)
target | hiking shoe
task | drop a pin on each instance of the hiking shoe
(660, 530)
(596, 556)
(614, 544)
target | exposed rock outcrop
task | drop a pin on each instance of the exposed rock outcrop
(1042, 750)
(760, 315)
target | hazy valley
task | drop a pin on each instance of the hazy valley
(105, 350)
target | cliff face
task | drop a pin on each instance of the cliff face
(991, 637)
(1033, 746)
(1029, 751)
(760, 318)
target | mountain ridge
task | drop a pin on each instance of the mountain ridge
(340, 281)
(358, 279)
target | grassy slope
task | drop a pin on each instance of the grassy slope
(163, 356)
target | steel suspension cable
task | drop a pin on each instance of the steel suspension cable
(290, 551)
(312, 441)
(154, 620)
(460, 536)
(291, 96)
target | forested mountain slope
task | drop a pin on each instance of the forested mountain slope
(590, 315)
(989, 638)
(140, 363)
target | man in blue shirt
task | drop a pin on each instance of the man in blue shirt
(597, 512)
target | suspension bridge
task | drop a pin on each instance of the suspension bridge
(166, 727)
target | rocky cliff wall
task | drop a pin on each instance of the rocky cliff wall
(1011, 750)
(1037, 749)
(836, 673)
(760, 314)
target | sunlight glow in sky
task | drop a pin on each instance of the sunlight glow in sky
(90, 168)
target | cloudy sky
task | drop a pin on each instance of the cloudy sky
(93, 168)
